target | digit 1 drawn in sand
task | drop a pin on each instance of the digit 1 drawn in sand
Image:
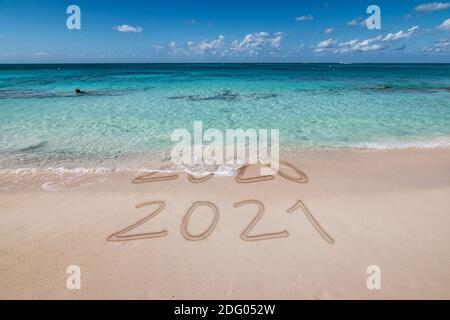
(302, 178)
(119, 236)
(193, 179)
(240, 177)
(245, 236)
(313, 221)
(187, 217)
(150, 177)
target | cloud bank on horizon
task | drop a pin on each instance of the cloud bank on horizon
(225, 31)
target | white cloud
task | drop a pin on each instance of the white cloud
(277, 40)
(205, 47)
(378, 43)
(445, 25)
(8, 54)
(325, 45)
(361, 22)
(304, 18)
(174, 49)
(258, 43)
(329, 30)
(441, 46)
(372, 44)
(41, 54)
(157, 48)
(432, 6)
(401, 34)
(299, 48)
(128, 28)
(253, 44)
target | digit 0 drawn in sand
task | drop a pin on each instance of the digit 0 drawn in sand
(302, 178)
(193, 179)
(316, 225)
(245, 236)
(187, 217)
(153, 177)
(120, 236)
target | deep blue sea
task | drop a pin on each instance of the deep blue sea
(130, 110)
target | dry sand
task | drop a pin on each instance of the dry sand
(390, 209)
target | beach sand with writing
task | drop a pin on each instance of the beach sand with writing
(386, 208)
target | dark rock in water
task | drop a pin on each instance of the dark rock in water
(377, 87)
(409, 89)
(263, 95)
(43, 94)
(108, 92)
(188, 97)
(226, 95)
(33, 147)
(78, 91)
(383, 87)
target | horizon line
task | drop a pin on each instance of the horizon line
(220, 63)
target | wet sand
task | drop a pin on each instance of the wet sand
(390, 209)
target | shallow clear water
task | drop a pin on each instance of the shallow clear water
(130, 111)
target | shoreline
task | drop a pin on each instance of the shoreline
(20, 179)
(380, 208)
(32, 176)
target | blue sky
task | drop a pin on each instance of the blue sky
(224, 31)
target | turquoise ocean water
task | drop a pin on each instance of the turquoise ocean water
(130, 110)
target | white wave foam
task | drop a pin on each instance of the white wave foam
(224, 170)
(440, 142)
(57, 171)
(51, 187)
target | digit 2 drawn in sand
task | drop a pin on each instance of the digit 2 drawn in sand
(120, 236)
(187, 217)
(153, 177)
(300, 205)
(245, 236)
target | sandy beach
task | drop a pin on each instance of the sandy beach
(390, 209)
